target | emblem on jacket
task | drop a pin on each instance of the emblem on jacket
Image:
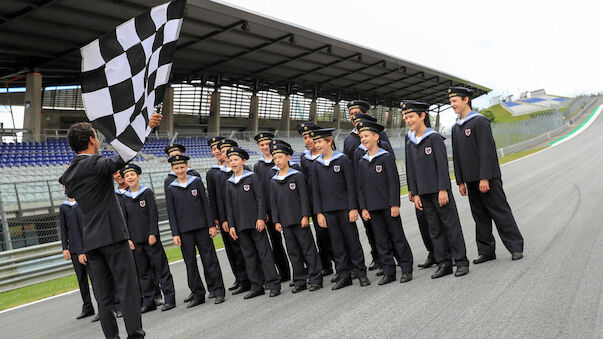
(292, 186)
(378, 168)
(428, 150)
(143, 203)
(336, 168)
(194, 193)
(468, 132)
(246, 188)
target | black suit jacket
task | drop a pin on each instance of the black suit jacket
(71, 228)
(89, 180)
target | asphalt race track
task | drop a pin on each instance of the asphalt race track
(555, 291)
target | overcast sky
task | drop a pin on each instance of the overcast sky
(509, 46)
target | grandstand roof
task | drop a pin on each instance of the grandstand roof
(219, 43)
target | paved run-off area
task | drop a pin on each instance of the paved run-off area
(555, 291)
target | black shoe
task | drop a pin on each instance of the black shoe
(430, 261)
(253, 294)
(219, 299)
(285, 278)
(364, 281)
(241, 289)
(118, 314)
(275, 293)
(443, 270)
(386, 279)
(146, 309)
(158, 301)
(96, 318)
(406, 277)
(211, 295)
(299, 288)
(341, 283)
(234, 286)
(354, 274)
(461, 271)
(516, 255)
(335, 278)
(373, 266)
(189, 298)
(197, 300)
(483, 258)
(84, 315)
(326, 272)
(167, 307)
(315, 287)
(380, 272)
(292, 283)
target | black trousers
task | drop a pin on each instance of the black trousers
(151, 262)
(200, 240)
(346, 244)
(390, 239)
(445, 230)
(235, 258)
(301, 249)
(424, 229)
(278, 250)
(489, 206)
(113, 268)
(81, 273)
(370, 235)
(325, 246)
(258, 260)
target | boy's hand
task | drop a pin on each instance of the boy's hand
(225, 226)
(395, 211)
(213, 231)
(418, 202)
(322, 221)
(278, 227)
(443, 198)
(366, 216)
(155, 120)
(484, 185)
(152, 239)
(82, 259)
(410, 197)
(463, 189)
(353, 214)
(176, 239)
(305, 222)
(260, 225)
(66, 254)
(233, 233)
(131, 244)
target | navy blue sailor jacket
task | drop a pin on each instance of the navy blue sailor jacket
(264, 170)
(426, 163)
(188, 207)
(378, 183)
(333, 185)
(141, 215)
(70, 217)
(220, 180)
(244, 201)
(289, 198)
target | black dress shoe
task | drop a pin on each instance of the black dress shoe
(430, 261)
(443, 270)
(364, 281)
(335, 278)
(373, 266)
(118, 314)
(386, 279)
(326, 272)
(406, 277)
(219, 299)
(146, 309)
(84, 315)
(315, 287)
(341, 283)
(197, 300)
(483, 258)
(211, 295)
(275, 293)
(158, 301)
(379, 272)
(234, 286)
(167, 307)
(241, 289)
(253, 294)
(96, 318)
(189, 298)
(299, 288)
(292, 283)
(516, 255)
(461, 271)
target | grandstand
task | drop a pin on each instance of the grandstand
(537, 102)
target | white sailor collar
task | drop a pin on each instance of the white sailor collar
(379, 153)
(223, 168)
(69, 203)
(471, 115)
(417, 140)
(189, 181)
(265, 161)
(172, 173)
(290, 173)
(362, 147)
(336, 155)
(120, 191)
(235, 180)
(308, 155)
(141, 189)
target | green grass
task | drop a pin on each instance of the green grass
(53, 287)
(502, 115)
(515, 156)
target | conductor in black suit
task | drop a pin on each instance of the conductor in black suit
(106, 251)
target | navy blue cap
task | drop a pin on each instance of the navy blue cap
(238, 152)
(174, 147)
(322, 133)
(214, 141)
(227, 143)
(460, 92)
(365, 125)
(263, 136)
(130, 168)
(305, 127)
(279, 146)
(361, 104)
(178, 159)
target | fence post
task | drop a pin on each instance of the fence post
(50, 195)
(8, 243)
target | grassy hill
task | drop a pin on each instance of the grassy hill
(498, 114)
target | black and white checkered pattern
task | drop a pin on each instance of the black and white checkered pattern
(124, 74)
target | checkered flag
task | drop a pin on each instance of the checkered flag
(124, 74)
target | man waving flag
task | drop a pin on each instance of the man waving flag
(124, 74)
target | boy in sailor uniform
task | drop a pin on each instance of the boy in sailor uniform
(429, 185)
(171, 150)
(141, 216)
(379, 199)
(478, 175)
(336, 207)
(290, 211)
(193, 228)
(246, 212)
